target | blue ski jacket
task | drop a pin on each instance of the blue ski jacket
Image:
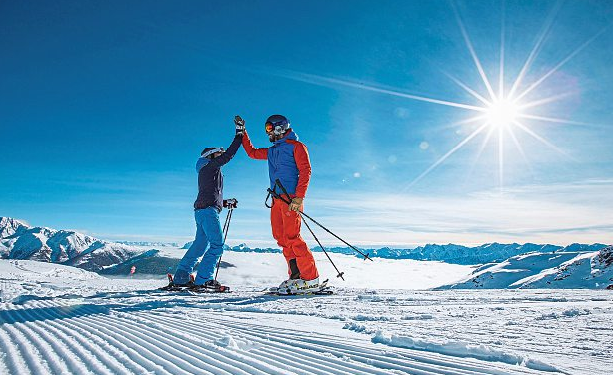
(288, 161)
(210, 178)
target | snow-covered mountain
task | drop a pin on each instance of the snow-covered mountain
(459, 254)
(9, 227)
(243, 248)
(20, 241)
(491, 252)
(561, 269)
(450, 253)
(149, 244)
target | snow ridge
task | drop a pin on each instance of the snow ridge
(52, 337)
(462, 349)
(567, 269)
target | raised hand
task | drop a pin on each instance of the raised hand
(240, 125)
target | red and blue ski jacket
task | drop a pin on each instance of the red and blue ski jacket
(288, 161)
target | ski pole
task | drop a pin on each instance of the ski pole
(339, 273)
(225, 224)
(225, 231)
(366, 256)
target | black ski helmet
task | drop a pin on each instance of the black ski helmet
(210, 151)
(277, 124)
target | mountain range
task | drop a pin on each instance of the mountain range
(501, 265)
(21, 241)
(149, 244)
(450, 253)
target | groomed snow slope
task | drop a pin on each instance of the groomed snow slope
(58, 320)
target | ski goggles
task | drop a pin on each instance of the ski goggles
(275, 126)
(213, 151)
(269, 127)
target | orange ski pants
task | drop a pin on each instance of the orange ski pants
(286, 230)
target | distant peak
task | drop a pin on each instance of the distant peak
(6, 221)
(10, 226)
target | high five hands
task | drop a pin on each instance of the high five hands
(240, 125)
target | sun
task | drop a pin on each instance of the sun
(502, 113)
(506, 108)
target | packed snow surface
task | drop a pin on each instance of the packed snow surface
(57, 319)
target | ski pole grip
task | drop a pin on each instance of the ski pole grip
(278, 182)
(275, 195)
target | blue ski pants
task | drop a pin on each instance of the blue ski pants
(208, 234)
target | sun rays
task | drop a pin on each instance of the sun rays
(502, 110)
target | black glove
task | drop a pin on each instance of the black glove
(230, 203)
(240, 125)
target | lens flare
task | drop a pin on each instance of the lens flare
(502, 113)
(498, 111)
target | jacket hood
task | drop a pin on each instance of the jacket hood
(202, 161)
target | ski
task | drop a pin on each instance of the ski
(321, 292)
(324, 290)
(192, 289)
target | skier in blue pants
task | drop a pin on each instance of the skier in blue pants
(207, 207)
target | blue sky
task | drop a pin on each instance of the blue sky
(105, 106)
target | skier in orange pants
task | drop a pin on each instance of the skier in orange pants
(288, 162)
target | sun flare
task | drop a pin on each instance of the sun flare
(502, 113)
(507, 111)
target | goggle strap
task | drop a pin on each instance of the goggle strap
(211, 152)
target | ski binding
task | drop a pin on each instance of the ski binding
(191, 287)
(324, 290)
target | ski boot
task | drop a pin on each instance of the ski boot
(284, 285)
(172, 286)
(210, 286)
(300, 286)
